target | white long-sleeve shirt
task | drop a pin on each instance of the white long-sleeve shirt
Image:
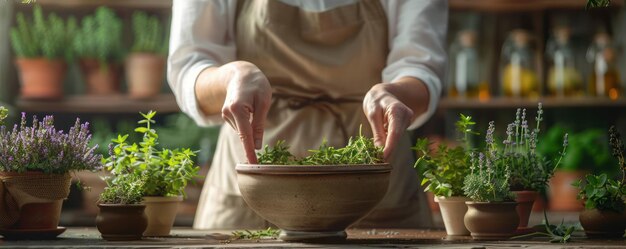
(202, 35)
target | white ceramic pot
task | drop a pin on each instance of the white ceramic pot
(161, 212)
(453, 211)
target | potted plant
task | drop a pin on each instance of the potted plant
(121, 216)
(530, 172)
(40, 46)
(4, 113)
(444, 173)
(98, 44)
(492, 211)
(605, 208)
(35, 166)
(588, 152)
(165, 172)
(146, 63)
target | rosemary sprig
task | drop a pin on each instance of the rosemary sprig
(269, 233)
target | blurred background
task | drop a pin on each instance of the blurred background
(503, 54)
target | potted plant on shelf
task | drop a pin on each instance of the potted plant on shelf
(35, 166)
(444, 173)
(98, 44)
(530, 172)
(588, 152)
(492, 212)
(605, 208)
(146, 63)
(121, 216)
(40, 46)
(165, 172)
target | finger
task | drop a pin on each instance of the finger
(261, 107)
(398, 120)
(375, 117)
(242, 120)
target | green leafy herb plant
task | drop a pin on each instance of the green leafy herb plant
(445, 171)
(100, 37)
(360, 150)
(3, 114)
(269, 233)
(165, 172)
(148, 34)
(601, 192)
(43, 36)
(124, 189)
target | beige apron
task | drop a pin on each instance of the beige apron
(320, 66)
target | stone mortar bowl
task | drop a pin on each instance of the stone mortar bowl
(315, 202)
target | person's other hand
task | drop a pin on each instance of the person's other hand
(247, 101)
(387, 115)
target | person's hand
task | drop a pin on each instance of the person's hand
(387, 115)
(247, 101)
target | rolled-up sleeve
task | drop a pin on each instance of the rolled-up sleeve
(417, 31)
(201, 36)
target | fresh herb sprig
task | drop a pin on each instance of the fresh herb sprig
(597, 4)
(269, 233)
(360, 150)
(556, 233)
(4, 113)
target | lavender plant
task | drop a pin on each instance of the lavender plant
(41, 147)
(488, 181)
(164, 172)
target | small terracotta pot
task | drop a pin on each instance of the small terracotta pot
(100, 79)
(453, 211)
(41, 78)
(119, 222)
(161, 212)
(491, 221)
(562, 195)
(603, 224)
(315, 202)
(144, 72)
(432, 202)
(525, 200)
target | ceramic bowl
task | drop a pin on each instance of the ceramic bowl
(313, 201)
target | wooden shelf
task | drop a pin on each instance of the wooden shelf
(547, 102)
(164, 103)
(521, 5)
(139, 4)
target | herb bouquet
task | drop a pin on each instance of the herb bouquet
(35, 166)
(444, 173)
(605, 198)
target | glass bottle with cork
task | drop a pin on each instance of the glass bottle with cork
(604, 80)
(519, 66)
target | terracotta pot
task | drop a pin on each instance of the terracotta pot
(603, 224)
(562, 193)
(491, 221)
(453, 211)
(100, 79)
(432, 202)
(161, 212)
(41, 78)
(525, 200)
(119, 222)
(144, 72)
(39, 212)
(313, 202)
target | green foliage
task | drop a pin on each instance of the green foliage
(148, 34)
(445, 171)
(269, 233)
(100, 37)
(602, 193)
(4, 113)
(587, 149)
(487, 182)
(41, 36)
(556, 233)
(597, 3)
(122, 189)
(165, 172)
(360, 150)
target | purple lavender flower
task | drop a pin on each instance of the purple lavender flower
(489, 136)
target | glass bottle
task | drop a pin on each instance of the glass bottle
(604, 80)
(564, 78)
(519, 70)
(465, 80)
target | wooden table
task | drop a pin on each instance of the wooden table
(357, 238)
